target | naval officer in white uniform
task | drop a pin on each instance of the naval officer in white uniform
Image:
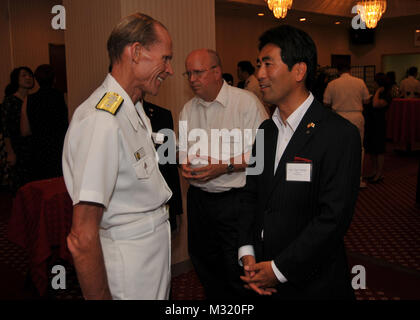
(120, 236)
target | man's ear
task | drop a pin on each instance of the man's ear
(300, 70)
(135, 51)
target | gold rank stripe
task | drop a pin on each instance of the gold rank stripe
(110, 102)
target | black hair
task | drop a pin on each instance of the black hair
(296, 46)
(412, 71)
(343, 67)
(383, 81)
(13, 86)
(246, 66)
(228, 77)
(45, 75)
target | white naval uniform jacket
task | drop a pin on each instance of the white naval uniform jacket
(100, 163)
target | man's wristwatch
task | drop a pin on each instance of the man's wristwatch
(230, 168)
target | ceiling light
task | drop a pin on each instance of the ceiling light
(279, 7)
(371, 11)
(260, 14)
(302, 19)
(337, 22)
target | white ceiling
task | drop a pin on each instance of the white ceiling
(342, 8)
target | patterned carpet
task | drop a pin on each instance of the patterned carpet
(386, 224)
(384, 237)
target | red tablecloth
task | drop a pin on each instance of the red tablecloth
(403, 121)
(41, 219)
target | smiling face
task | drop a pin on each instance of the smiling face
(276, 81)
(155, 63)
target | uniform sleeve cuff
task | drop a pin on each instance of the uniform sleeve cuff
(91, 196)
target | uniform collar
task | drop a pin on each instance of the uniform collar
(130, 110)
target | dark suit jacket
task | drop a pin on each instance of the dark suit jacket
(304, 222)
(161, 118)
(48, 119)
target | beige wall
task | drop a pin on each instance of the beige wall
(87, 60)
(393, 36)
(191, 24)
(237, 39)
(32, 31)
(89, 24)
(26, 34)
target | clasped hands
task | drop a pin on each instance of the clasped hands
(212, 170)
(259, 277)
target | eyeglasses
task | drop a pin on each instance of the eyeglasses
(196, 73)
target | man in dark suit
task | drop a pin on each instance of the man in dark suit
(161, 118)
(295, 214)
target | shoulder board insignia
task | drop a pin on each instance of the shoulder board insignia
(110, 102)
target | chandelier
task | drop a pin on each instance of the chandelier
(279, 7)
(371, 11)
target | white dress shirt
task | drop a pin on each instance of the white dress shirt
(346, 94)
(286, 131)
(409, 87)
(233, 108)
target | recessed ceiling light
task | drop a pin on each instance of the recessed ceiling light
(302, 19)
(338, 22)
(260, 14)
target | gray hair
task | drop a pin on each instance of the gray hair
(136, 27)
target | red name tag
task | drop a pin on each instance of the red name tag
(299, 159)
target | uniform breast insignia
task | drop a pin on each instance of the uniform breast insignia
(110, 102)
(139, 154)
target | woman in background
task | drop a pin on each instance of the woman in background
(17, 146)
(375, 137)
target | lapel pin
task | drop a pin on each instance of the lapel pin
(311, 125)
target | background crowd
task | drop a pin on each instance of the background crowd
(32, 128)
